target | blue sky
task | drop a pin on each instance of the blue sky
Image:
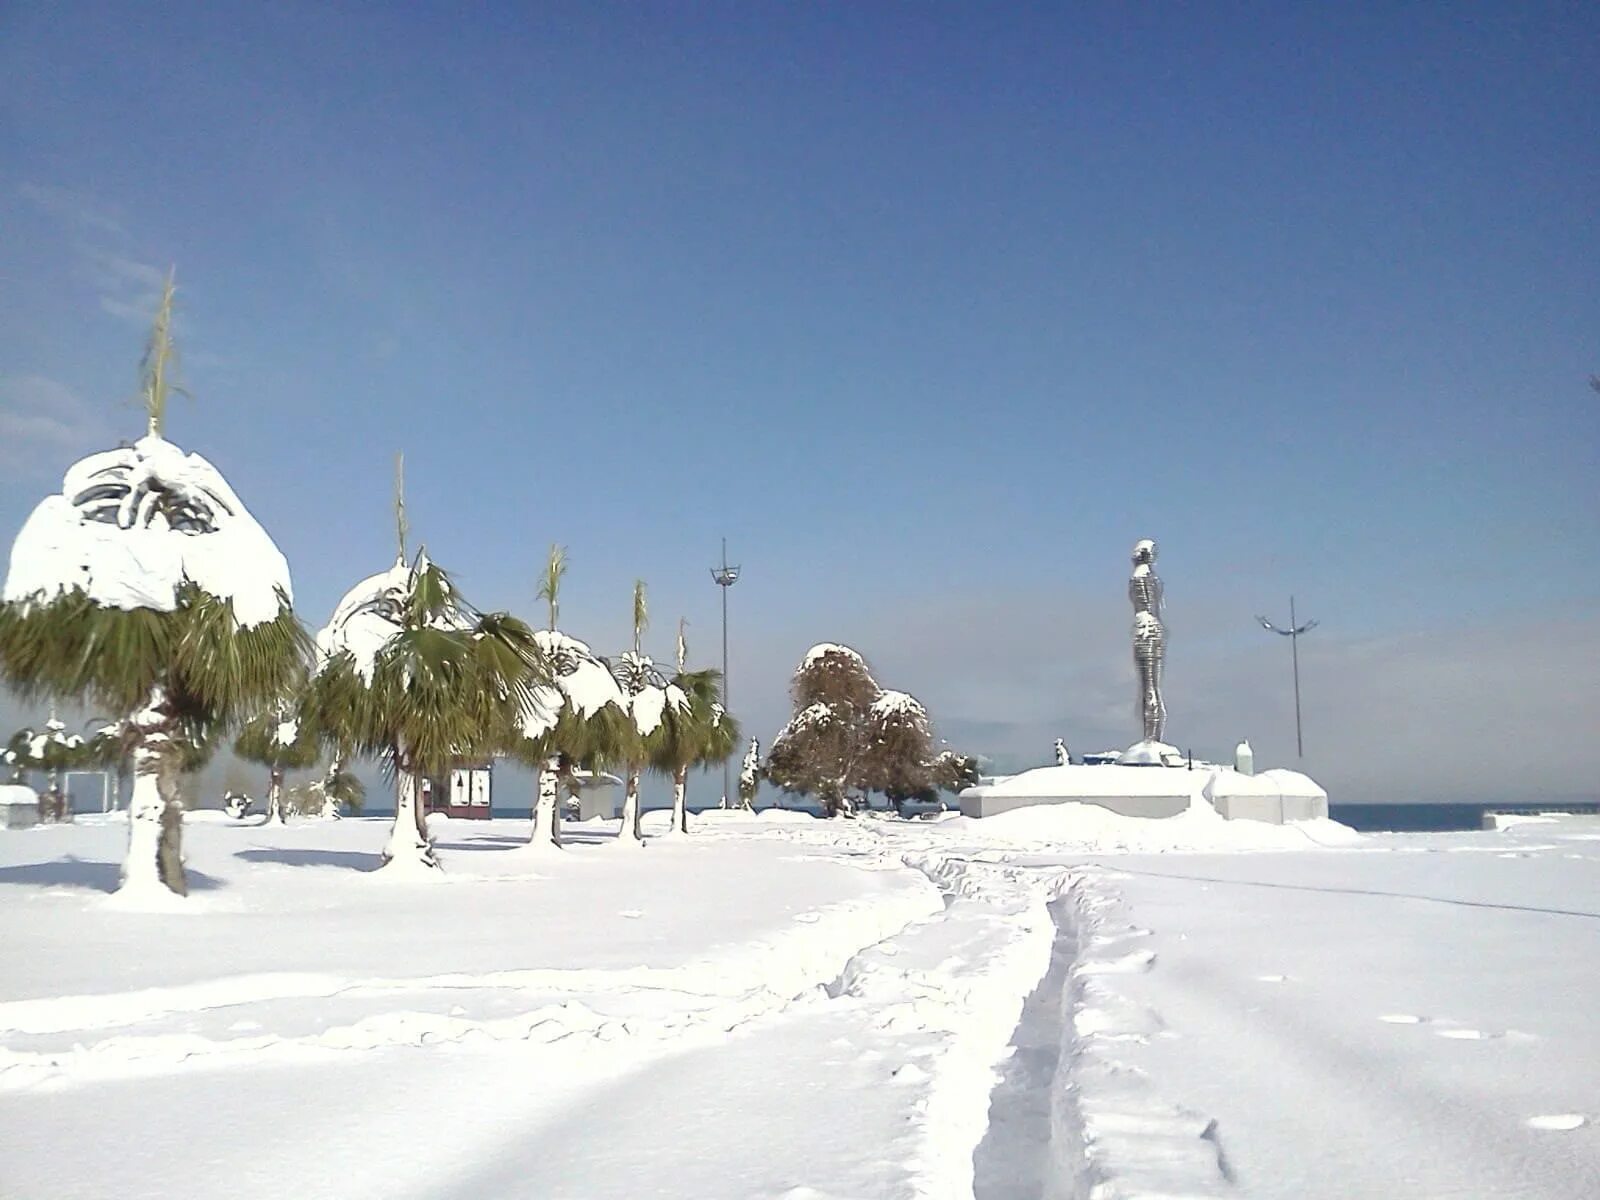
(931, 310)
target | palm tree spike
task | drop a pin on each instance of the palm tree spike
(641, 616)
(160, 360)
(555, 570)
(683, 643)
(401, 528)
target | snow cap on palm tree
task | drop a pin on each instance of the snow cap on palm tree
(581, 685)
(146, 587)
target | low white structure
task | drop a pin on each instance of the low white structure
(1275, 796)
(599, 795)
(19, 806)
(1278, 796)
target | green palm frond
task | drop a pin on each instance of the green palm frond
(258, 740)
(159, 366)
(555, 570)
(641, 616)
(71, 648)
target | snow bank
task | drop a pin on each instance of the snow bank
(131, 526)
(1092, 829)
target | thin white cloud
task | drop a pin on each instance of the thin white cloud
(125, 287)
(72, 208)
(128, 289)
(43, 425)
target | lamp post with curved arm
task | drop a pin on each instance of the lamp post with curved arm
(1293, 633)
(725, 577)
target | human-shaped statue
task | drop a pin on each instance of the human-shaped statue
(1063, 755)
(1149, 638)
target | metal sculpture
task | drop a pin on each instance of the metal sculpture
(1149, 638)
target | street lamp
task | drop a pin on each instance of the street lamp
(1293, 634)
(725, 577)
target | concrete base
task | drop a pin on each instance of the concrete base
(1275, 810)
(1128, 806)
(1155, 792)
(19, 807)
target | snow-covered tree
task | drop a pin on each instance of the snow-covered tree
(578, 719)
(954, 772)
(899, 757)
(281, 738)
(648, 697)
(700, 734)
(145, 587)
(52, 752)
(750, 776)
(410, 672)
(822, 750)
(339, 788)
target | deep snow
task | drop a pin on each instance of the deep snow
(778, 1006)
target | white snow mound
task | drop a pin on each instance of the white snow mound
(130, 526)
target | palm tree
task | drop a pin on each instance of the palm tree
(282, 739)
(146, 588)
(649, 697)
(339, 787)
(412, 673)
(700, 734)
(750, 776)
(578, 719)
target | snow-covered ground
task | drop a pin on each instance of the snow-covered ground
(1052, 1003)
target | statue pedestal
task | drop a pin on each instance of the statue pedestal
(1151, 791)
(1152, 754)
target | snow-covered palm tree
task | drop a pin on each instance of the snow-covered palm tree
(578, 719)
(750, 776)
(51, 751)
(410, 672)
(699, 734)
(282, 739)
(648, 696)
(145, 587)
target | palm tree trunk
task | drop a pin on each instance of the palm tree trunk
(546, 818)
(155, 811)
(275, 796)
(632, 829)
(420, 813)
(408, 846)
(680, 807)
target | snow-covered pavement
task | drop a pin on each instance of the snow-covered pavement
(783, 1007)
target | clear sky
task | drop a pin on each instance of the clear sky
(932, 310)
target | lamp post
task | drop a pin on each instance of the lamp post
(1293, 634)
(725, 577)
